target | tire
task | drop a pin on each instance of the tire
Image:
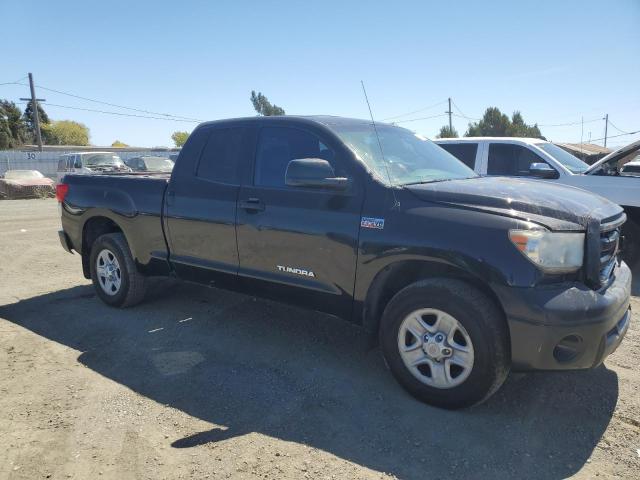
(112, 250)
(479, 328)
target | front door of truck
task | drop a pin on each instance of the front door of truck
(299, 243)
(200, 205)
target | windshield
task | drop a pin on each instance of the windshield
(409, 158)
(22, 174)
(571, 163)
(158, 164)
(102, 159)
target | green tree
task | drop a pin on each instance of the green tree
(494, 123)
(264, 106)
(179, 138)
(30, 121)
(446, 132)
(66, 132)
(118, 143)
(13, 131)
(520, 129)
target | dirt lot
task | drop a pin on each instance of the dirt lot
(201, 383)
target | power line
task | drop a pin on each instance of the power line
(420, 118)
(16, 82)
(415, 111)
(614, 136)
(465, 117)
(118, 113)
(115, 105)
(462, 113)
(579, 122)
(620, 130)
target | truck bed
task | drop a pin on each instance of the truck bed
(133, 201)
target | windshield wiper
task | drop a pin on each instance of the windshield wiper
(435, 181)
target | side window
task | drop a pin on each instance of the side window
(465, 152)
(221, 155)
(277, 146)
(510, 160)
(62, 164)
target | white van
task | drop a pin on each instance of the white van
(90, 163)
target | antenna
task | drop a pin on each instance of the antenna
(396, 203)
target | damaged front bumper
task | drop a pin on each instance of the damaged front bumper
(567, 326)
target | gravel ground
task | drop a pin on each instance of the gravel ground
(201, 383)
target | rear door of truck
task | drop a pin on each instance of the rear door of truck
(200, 203)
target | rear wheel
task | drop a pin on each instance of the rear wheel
(445, 342)
(113, 272)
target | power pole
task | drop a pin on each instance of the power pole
(34, 108)
(606, 127)
(450, 112)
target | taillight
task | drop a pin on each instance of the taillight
(61, 191)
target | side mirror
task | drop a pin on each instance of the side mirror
(542, 170)
(314, 172)
(77, 164)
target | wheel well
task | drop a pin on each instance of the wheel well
(94, 227)
(395, 277)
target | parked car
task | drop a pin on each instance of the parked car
(25, 184)
(460, 277)
(150, 164)
(534, 158)
(90, 162)
(631, 168)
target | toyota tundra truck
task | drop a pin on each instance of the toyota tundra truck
(460, 278)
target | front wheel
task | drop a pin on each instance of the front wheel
(113, 272)
(445, 342)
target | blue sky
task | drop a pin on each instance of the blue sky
(555, 61)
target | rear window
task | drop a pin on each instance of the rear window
(465, 152)
(221, 155)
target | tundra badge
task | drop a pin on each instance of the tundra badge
(297, 271)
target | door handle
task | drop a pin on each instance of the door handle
(252, 204)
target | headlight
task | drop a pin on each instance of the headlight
(555, 252)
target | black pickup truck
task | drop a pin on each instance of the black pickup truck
(461, 278)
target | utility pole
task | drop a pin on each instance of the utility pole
(34, 108)
(450, 112)
(606, 127)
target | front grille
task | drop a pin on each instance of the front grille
(609, 244)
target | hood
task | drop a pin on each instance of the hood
(557, 207)
(614, 156)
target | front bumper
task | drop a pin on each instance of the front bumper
(568, 326)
